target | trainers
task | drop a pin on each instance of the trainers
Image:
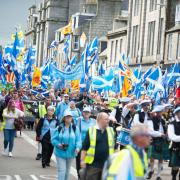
(10, 154)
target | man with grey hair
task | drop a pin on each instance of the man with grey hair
(133, 157)
(98, 145)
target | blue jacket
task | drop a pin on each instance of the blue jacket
(62, 106)
(84, 126)
(66, 136)
(44, 125)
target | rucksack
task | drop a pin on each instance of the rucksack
(73, 127)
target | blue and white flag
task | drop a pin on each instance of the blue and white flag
(76, 73)
(104, 82)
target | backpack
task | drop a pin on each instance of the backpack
(73, 127)
(18, 124)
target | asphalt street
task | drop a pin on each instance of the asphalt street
(23, 166)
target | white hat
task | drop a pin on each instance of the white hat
(145, 101)
(125, 99)
(87, 109)
(51, 108)
(67, 113)
(168, 105)
(176, 110)
(158, 108)
(66, 95)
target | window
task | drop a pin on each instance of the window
(134, 41)
(136, 7)
(170, 47)
(177, 17)
(112, 47)
(153, 5)
(103, 45)
(75, 43)
(150, 39)
(115, 52)
(178, 49)
(120, 45)
(160, 35)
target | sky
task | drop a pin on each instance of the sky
(13, 13)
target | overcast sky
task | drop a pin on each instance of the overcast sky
(13, 13)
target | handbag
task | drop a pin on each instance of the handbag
(18, 123)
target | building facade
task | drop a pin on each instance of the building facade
(172, 48)
(94, 18)
(146, 31)
(30, 34)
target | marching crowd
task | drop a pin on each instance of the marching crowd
(102, 134)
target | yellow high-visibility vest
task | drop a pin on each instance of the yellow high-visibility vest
(92, 136)
(42, 110)
(139, 169)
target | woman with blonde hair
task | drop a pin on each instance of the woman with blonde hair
(10, 114)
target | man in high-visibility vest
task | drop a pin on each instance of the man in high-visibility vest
(131, 162)
(98, 145)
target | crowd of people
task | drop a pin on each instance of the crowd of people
(105, 135)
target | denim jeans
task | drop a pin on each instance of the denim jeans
(9, 135)
(63, 168)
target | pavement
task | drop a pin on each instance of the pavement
(23, 166)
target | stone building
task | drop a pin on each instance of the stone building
(172, 48)
(149, 24)
(94, 18)
(30, 34)
(146, 31)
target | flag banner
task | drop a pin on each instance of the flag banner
(127, 86)
(75, 84)
(76, 73)
(36, 79)
(104, 82)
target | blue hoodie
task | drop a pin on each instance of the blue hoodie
(66, 136)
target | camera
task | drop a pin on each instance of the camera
(64, 147)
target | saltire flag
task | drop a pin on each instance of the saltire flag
(82, 84)
(15, 51)
(94, 59)
(93, 46)
(146, 74)
(73, 60)
(173, 74)
(101, 70)
(105, 82)
(3, 71)
(154, 76)
(29, 61)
